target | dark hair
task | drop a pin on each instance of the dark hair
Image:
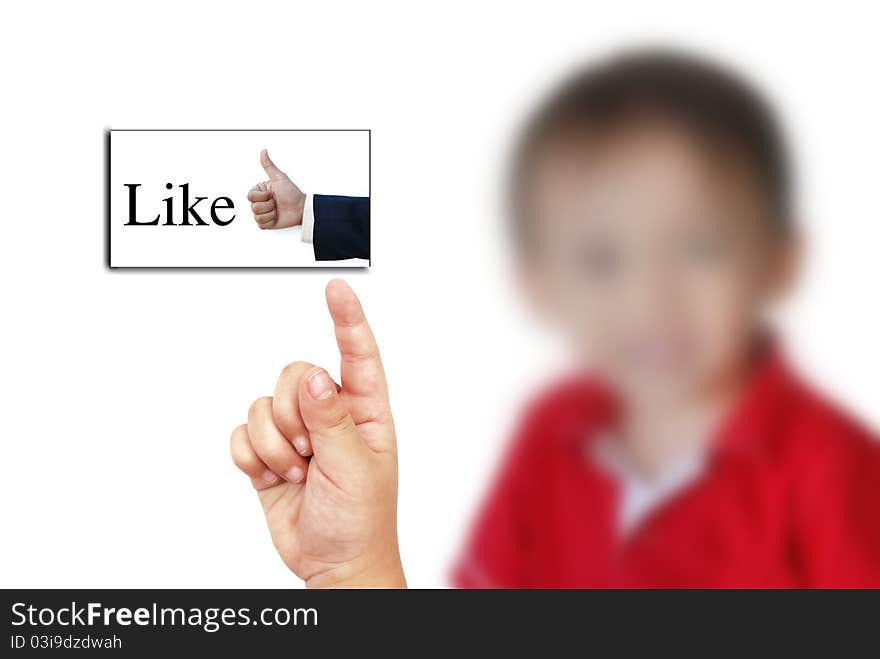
(704, 98)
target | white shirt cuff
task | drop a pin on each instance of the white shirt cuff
(308, 224)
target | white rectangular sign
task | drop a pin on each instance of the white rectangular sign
(179, 198)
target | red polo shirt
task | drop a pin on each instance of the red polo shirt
(790, 497)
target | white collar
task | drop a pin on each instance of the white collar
(640, 496)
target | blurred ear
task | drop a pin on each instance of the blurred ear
(532, 281)
(788, 259)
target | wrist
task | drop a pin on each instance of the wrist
(382, 572)
(301, 208)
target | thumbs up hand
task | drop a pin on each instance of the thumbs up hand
(277, 203)
(323, 460)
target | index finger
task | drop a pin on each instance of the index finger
(361, 366)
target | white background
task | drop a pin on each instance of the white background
(119, 390)
(224, 164)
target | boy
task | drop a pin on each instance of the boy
(651, 201)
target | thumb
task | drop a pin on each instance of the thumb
(269, 167)
(335, 440)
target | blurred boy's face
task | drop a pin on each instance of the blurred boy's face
(656, 255)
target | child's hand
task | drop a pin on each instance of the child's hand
(277, 203)
(333, 515)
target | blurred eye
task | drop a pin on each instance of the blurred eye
(599, 261)
(703, 247)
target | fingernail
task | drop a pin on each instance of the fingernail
(269, 476)
(295, 474)
(302, 445)
(320, 386)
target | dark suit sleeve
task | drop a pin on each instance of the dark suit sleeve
(342, 227)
